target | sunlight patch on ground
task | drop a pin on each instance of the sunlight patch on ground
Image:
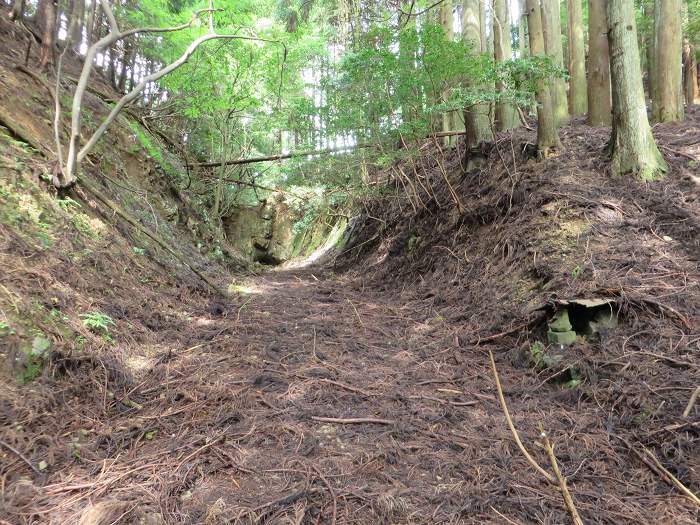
(246, 289)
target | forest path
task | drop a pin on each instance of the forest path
(313, 399)
(228, 423)
(302, 347)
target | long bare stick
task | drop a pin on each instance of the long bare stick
(513, 431)
(691, 402)
(353, 420)
(685, 490)
(568, 500)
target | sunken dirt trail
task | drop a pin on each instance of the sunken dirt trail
(230, 429)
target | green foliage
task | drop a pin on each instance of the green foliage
(6, 329)
(576, 272)
(319, 80)
(33, 359)
(67, 204)
(97, 322)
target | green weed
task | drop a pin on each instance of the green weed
(97, 322)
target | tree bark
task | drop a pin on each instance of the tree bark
(46, 12)
(547, 137)
(90, 24)
(126, 64)
(633, 146)
(448, 117)
(506, 116)
(522, 21)
(482, 25)
(476, 118)
(690, 73)
(17, 12)
(648, 12)
(76, 24)
(667, 102)
(599, 103)
(551, 27)
(578, 98)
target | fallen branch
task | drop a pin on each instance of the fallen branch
(310, 153)
(568, 500)
(513, 431)
(353, 420)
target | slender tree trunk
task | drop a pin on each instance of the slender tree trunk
(667, 103)
(522, 21)
(648, 13)
(599, 103)
(633, 146)
(17, 12)
(505, 115)
(112, 66)
(126, 63)
(476, 118)
(690, 73)
(90, 24)
(407, 54)
(77, 24)
(551, 27)
(547, 137)
(482, 25)
(46, 12)
(447, 27)
(578, 97)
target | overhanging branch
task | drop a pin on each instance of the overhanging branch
(327, 151)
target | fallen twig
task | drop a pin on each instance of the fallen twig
(691, 402)
(20, 456)
(502, 334)
(656, 467)
(685, 490)
(568, 500)
(343, 385)
(356, 313)
(353, 420)
(513, 431)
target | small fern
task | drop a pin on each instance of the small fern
(97, 322)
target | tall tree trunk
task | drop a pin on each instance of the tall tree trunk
(551, 27)
(447, 27)
(505, 115)
(90, 24)
(46, 12)
(407, 54)
(648, 12)
(667, 102)
(76, 24)
(17, 10)
(690, 73)
(547, 137)
(633, 146)
(578, 98)
(112, 66)
(476, 118)
(599, 103)
(482, 24)
(522, 21)
(126, 64)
